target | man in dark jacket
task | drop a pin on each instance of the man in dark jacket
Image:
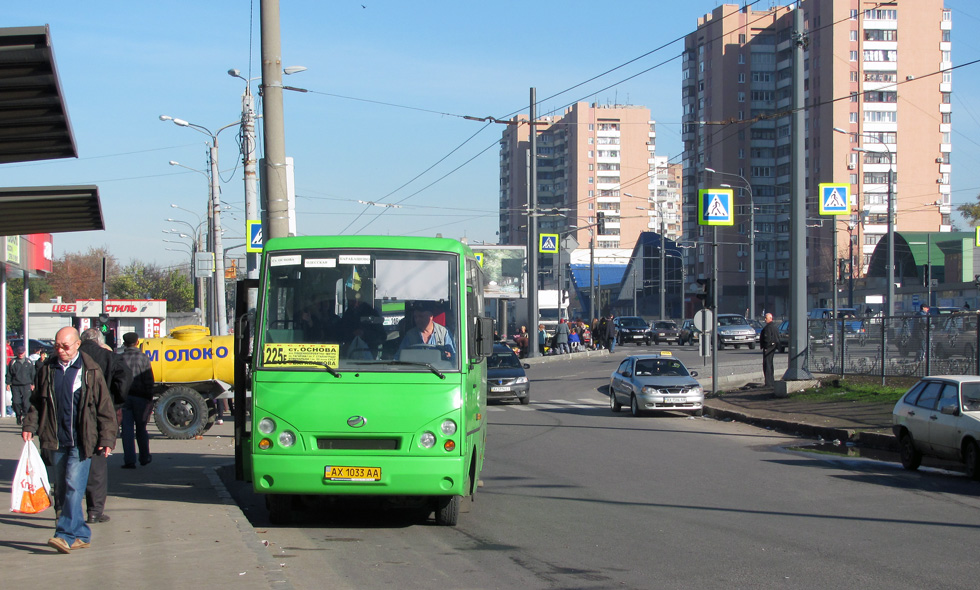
(20, 382)
(769, 342)
(117, 378)
(72, 415)
(138, 405)
(610, 332)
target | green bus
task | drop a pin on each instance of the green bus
(366, 372)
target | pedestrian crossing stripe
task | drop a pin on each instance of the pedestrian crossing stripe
(253, 229)
(715, 206)
(834, 199)
(548, 243)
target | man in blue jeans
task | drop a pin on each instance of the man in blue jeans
(72, 414)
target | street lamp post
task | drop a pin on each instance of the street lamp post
(215, 194)
(201, 300)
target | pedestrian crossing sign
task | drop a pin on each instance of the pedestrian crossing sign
(253, 229)
(715, 206)
(835, 199)
(479, 258)
(548, 243)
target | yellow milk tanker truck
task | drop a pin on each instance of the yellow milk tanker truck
(191, 369)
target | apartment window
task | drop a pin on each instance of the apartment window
(882, 14)
(946, 97)
(591, 194)
(947, 117)
(881, 96)
(880, 35)
(762, 171)
(945, 136)
(854, 97)
(880, 77)
(741, 38)
(591, 154)
(591, 180)
(590, 168)
(741, 97)
(946, 56)
(947, 77)
(854, 55)
(608, 126)
(761, 76)
(879, 158)
(607, 154)
(591, 126)
(741, 78)
(854, 35)
(886, 117)
(853, 117)
(876, 178)
(946, 35)
(854, 76)
(741, 58)
(590, 141)
(854, 14)
(880, 55)
(763, 95)
(853, 179)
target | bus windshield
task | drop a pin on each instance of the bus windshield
(361, 310)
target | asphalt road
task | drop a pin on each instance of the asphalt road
(575, 496)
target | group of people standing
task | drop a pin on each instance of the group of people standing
(573, 336)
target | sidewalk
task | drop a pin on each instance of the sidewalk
(173, 525)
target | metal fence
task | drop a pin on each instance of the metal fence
(911, 346)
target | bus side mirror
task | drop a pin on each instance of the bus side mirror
(484, 337)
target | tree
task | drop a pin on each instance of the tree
(971, 211)
(139, 280)
(79, 275)
(40, 291)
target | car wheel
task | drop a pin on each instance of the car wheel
(699, 412)
(751, 346)
(911, 457)
(614, 404)
(635, 407)
(971, 456)
(526, 399)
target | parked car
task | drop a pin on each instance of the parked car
(632, 328)
(506, 378)
(783, 336)
(940, 417)
(956, 337)
(734, 330)
(666, 331)
(689, 333)
(655, 382)
(33, 345)
(822, 325)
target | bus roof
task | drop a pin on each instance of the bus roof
(367, 242)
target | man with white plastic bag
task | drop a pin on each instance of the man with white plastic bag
(30, 492)
(72, 414)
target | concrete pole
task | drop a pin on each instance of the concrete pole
(532, 228)
(220, 305)
(663, 262)
(274, 172)
(251, 182)
(795, 370)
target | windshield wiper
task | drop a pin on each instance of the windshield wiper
(428, 366)
(329, 369)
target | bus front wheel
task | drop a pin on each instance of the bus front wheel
(280, 508)
(447, 510)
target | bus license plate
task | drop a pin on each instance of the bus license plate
(345, 473)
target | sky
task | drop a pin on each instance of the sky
(389, 82)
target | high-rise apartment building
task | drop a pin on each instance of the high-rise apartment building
(876, 71)
(597, 177)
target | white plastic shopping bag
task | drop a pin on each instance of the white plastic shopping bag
(30, 492)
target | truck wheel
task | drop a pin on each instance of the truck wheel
(182, 413)
(447, 510)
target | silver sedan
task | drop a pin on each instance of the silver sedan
(655, 382)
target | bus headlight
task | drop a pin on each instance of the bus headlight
(427, 440)
(287, 438)
(448, 427)
(267, 425)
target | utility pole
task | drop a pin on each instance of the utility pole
(274, 173)
(220, 306)
(532, 228)
(251, 183)
(795, 370)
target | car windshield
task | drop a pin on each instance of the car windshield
(361, 310)
(504, 360)
(970, 394)
(666, 326)
(660, 367)
(732, 320)
(632, 323)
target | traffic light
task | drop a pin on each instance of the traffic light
(103, 323)
(600, 222)
(706, 297)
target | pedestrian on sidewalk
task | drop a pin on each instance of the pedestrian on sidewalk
(20, 383)
(561, 337)
(117, 379)
(138, 405)
(72, 415)
(609, 333)
(769, 342)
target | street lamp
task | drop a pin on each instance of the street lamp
(890, 271)
(215, 200)
(748, 187)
